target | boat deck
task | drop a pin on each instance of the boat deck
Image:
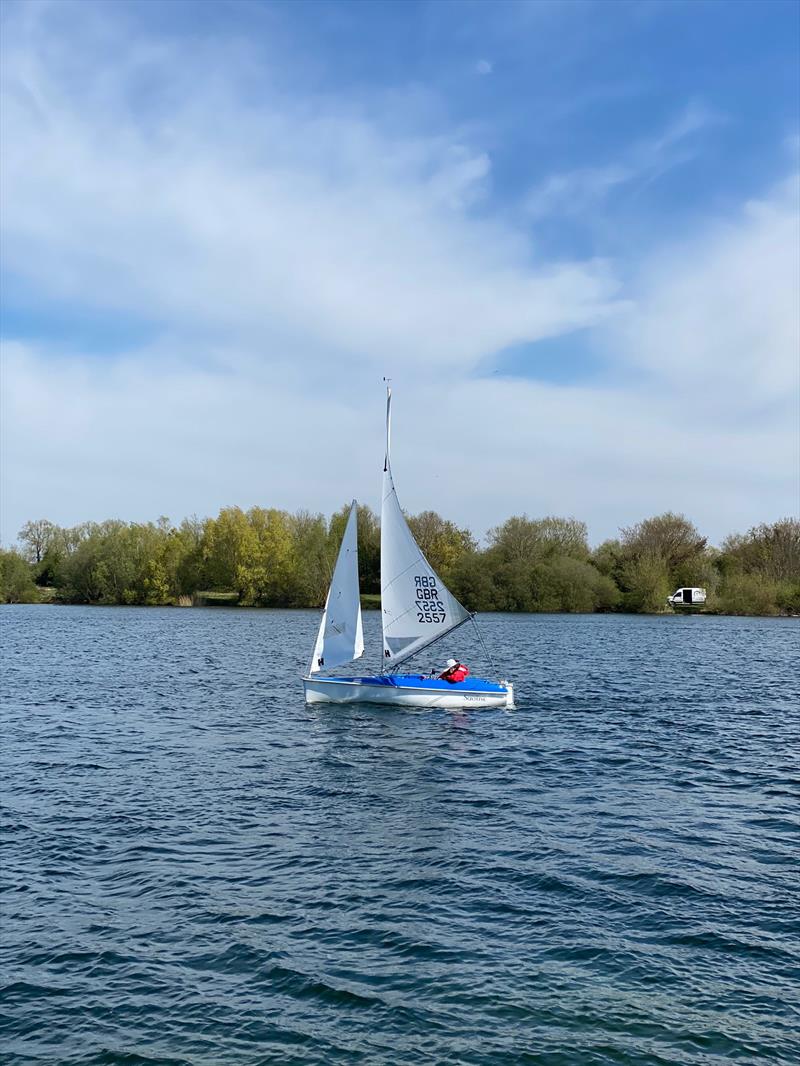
(419, 681)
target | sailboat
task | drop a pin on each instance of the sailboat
(417, 611)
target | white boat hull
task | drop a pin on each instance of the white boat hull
(346, 690)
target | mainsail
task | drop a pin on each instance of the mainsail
(416, 607)
(340, 638)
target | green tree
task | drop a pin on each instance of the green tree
(100, 569)
(671, 537)
(565, 536)
(443, 543)
(653, 558)
(475, 583)
(772, 550)
(189, 574)
(521, 538)
(577, 586)
(645, 583)
(227, 550)
(16, 580)
(269, 572)
(609, 558)
(760, 570)
(516, 540)
(269, 557)
(120, 563)
(311, 570)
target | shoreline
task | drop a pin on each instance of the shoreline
(371, 608)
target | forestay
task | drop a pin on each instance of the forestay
(341, 638)
(416, 607)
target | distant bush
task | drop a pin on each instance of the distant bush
(748, 594)
(788, 597)
(646, 583)
(16, 580)
(579, 587)
(760, 570)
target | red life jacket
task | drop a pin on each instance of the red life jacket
(456, 673)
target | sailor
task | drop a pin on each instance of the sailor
(455, 672)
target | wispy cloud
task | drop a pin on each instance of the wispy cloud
(577, 191)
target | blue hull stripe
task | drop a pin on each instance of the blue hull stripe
(417, 681)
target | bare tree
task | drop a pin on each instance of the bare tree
(525, 539)
(671, 537)
(36, 538)
(772, 550)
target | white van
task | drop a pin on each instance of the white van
(691, 597)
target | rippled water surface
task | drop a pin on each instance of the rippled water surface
(198, 869)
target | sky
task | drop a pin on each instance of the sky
(569, 232)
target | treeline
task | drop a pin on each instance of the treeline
(267, 557)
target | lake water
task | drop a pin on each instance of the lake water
(198, 869)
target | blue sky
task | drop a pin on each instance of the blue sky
(568, 231)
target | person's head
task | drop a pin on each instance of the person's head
(451, 663)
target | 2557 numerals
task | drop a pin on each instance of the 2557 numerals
(430, 608)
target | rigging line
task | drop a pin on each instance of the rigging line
(428, 643)
(486, 651)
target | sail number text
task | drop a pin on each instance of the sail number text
(429, 607)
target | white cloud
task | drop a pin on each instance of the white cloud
(717, 317)
(483, 66)
(272, 218)
(294, 252)
(137, 438)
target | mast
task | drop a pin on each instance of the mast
(417, 608)
(388, 427)
(386, 474)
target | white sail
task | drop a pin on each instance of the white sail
(416, 606)
(341, 638)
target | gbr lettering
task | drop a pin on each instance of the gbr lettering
(430, 609)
